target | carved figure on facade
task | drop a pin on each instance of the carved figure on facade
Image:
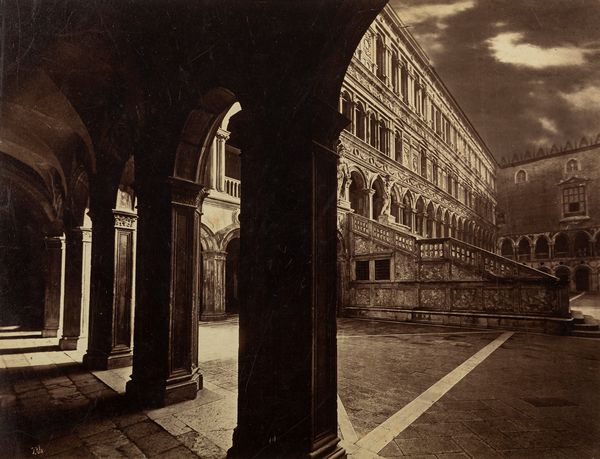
(343, 171)
(388, 183)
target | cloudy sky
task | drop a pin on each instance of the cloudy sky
(526, 72)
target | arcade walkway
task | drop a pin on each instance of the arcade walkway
(404, 391)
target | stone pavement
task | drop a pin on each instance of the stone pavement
(405, 390)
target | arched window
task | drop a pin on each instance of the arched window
(361, 120)
(395, 65)
(383, 138)
(561, 246)
(572, 165)
(542, 248)
(380, 57)
(439, 220)
(524, 250)
(347, 110)
(423, 164)
(506, 249)
(453, 228)
(521, 176)
(420, 215)
(407, 211)
(581, 244)
(378, 198)
(395, 208)
(374, 131)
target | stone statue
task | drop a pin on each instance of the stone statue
(387, 195)
(343, 172)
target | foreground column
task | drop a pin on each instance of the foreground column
(165, 363)
(287, 355)
(213, 285)
(74, 272)
(109, 344)
(53, 270)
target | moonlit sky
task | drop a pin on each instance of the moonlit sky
(526, 72)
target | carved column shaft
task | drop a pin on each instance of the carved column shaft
(111, 289)
(213, 285)
(53, 270)
(165, 364)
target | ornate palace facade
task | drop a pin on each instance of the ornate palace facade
(557, 228)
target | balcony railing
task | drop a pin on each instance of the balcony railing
(232, 187)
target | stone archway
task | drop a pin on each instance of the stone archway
(232, 299)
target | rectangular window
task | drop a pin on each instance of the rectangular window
(574, 200)
(362, 270)
(382, 269)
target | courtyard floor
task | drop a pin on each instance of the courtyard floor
(405, 390)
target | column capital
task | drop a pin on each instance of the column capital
(187, 193)
(222, 134)
(125, 219)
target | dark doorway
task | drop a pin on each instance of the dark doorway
(582, 279)
(231, 277)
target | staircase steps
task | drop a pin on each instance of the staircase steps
(585, 326)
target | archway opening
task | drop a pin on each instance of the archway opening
(506, 249)
(542, 248)
(357, 194)
(407, 211)
(581, 244)
(378, 198)
(582, 279)
(561, 246)
(524, 250)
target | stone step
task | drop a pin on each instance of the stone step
(586, 326)
(578, 317)
(586, 334)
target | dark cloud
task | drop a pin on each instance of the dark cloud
(527, 73)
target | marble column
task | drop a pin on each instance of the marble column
(220, 140)
(53, 271)
(213, 285)
(165, 363)
(287, 355)
(74, 285)
(113, 251)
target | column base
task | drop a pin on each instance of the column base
(343, 204)
(386, 219)
(107, 361)
(212, 316)
(68, 343)
(50, 333)
(326, 447)
(161, 393)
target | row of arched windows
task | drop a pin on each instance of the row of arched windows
(571, 166)
(411, 210)
(577, 244)
(375, 130)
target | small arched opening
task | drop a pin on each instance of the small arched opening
(420, 215)
(581, 244)
(524, 250)
(542, 248)
(582, 278)
(506, 249)
(561, 246)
